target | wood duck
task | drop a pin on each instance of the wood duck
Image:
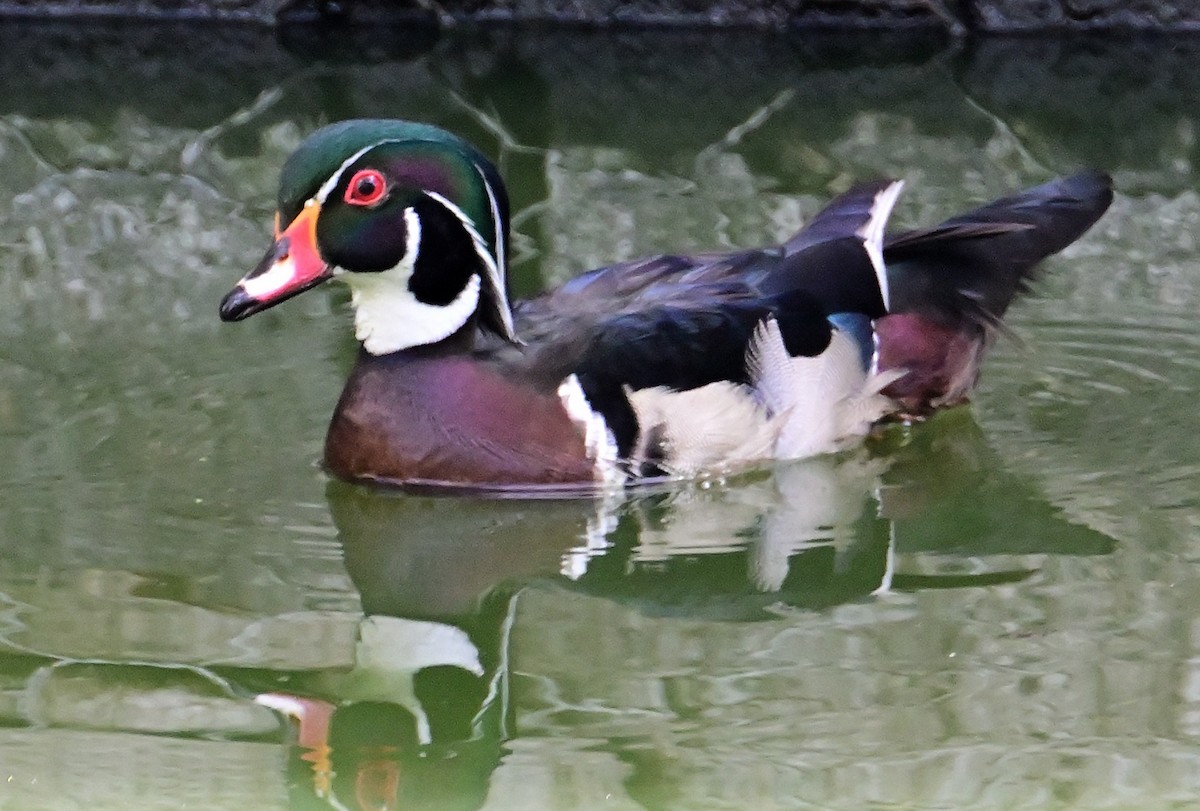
(665, 366)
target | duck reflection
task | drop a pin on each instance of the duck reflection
(422, 718)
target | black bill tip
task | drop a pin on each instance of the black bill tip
(239, 304)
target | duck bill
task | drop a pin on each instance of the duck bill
(292, 265)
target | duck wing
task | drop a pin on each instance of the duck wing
(682, 322)
(969, 269)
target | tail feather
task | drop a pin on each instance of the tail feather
(971, 267)
(951, 284)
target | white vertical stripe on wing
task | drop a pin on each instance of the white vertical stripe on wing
(872, 234)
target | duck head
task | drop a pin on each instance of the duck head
(411, 217)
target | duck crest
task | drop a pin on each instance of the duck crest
(670, 365)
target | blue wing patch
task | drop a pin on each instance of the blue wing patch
(861, 328)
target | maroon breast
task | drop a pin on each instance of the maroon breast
(451, 420)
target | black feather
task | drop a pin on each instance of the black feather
(841, 218)
(971, 267)
(836, 273)
(440, 273)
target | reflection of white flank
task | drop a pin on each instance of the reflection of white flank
(389, 654)
(805, 505)
(595, 543)
(388, 317)
(889, 566)
(600, 525)
(820, 501)
(702, 520)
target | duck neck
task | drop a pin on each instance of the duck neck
(388, 317)
(459, 342)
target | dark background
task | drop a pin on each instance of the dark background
(957, 17)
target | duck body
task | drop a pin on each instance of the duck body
(664, 366)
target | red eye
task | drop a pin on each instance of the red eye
(366, 188)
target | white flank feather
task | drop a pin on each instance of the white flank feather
(712, 429)
(798, 407)
(598, 440)
(824, 402)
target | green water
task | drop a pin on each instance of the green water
(995, 610)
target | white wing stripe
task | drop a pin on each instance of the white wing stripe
(872, 234)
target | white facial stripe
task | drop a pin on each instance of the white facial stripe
(494, 207)
(872, 235)
(495, 275)
(489, 261)
(329, 185)
(388, 317)
(500, 268)
(264, 285)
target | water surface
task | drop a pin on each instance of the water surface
(994, 610)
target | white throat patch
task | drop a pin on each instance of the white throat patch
(388, 317)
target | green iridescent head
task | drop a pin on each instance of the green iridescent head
(414, 218)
